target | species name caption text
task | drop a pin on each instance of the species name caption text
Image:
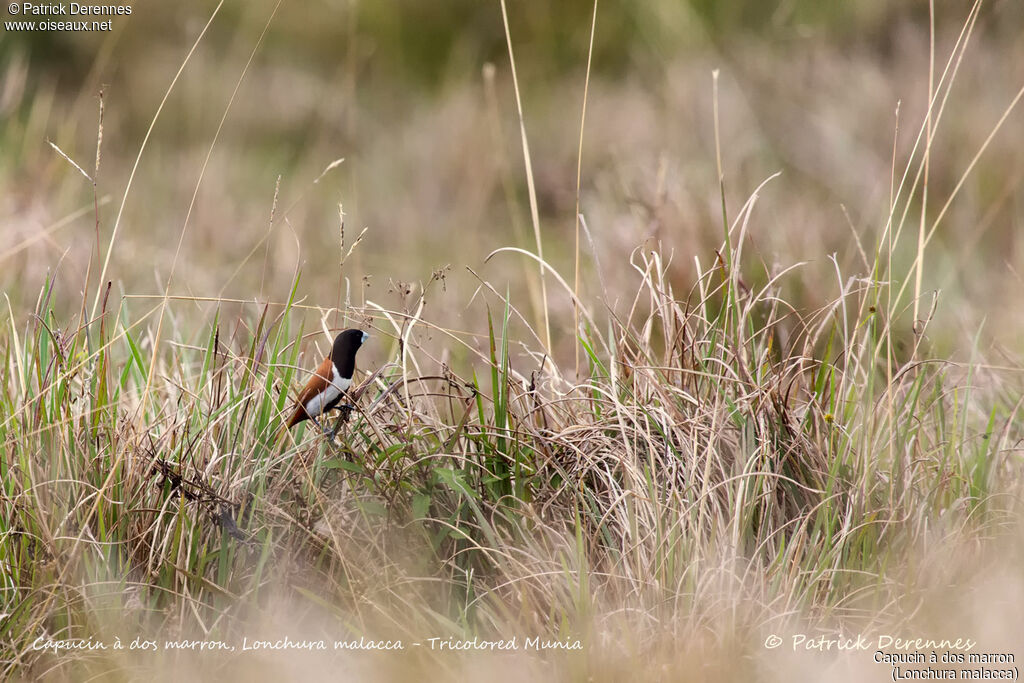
(71, 16)
(286, 643)
(913, 658)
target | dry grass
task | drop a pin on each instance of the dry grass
(732, 442)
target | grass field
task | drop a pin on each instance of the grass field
(739, 361)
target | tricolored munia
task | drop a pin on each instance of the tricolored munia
(333, 377)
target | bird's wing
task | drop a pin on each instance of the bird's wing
(319, 381)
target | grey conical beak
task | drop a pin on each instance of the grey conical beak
(365, 337)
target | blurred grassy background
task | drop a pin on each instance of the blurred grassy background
(433, 166)
(418, 99)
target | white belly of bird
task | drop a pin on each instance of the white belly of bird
(331, 392)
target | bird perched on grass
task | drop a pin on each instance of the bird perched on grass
(333, 377)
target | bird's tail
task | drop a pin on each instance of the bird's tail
(282, 432)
